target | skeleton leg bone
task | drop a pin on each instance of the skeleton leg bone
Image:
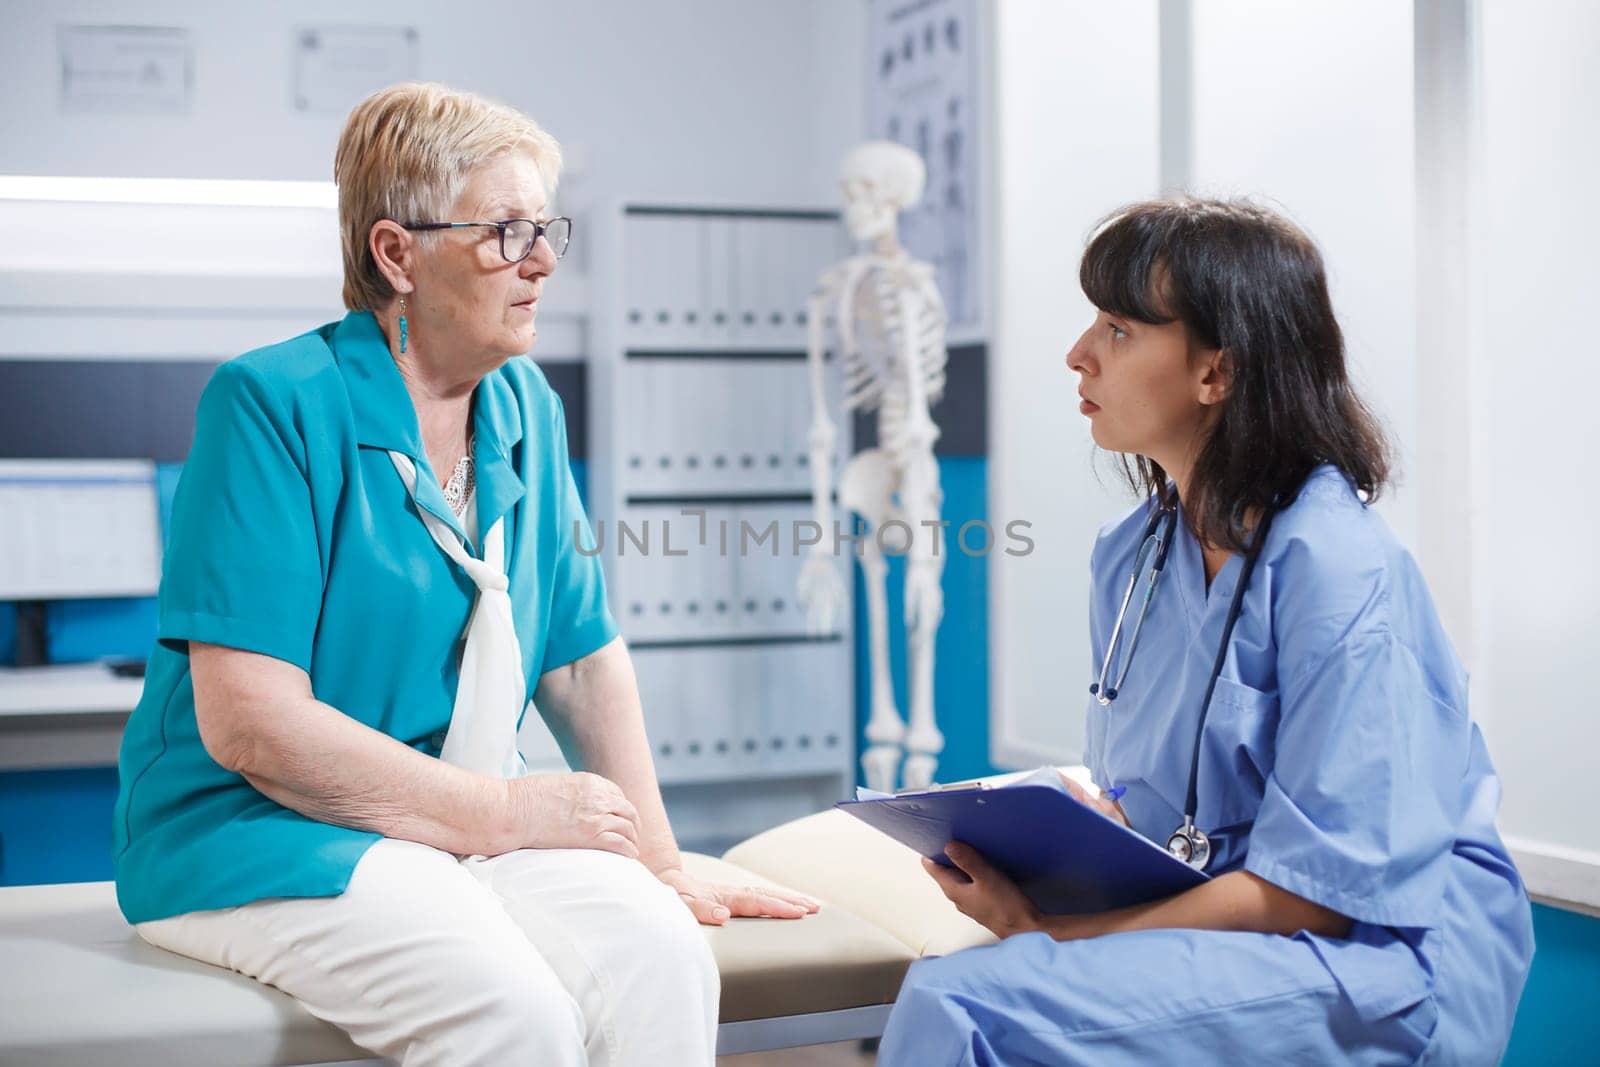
(920, 501)
(866, 487)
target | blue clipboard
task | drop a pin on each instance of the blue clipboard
(1067, 858)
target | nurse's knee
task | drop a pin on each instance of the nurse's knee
(962, 969)
(927, 1025)
(929, 979)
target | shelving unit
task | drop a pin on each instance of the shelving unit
(700, 408)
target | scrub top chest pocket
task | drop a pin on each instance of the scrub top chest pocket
(1236, 757)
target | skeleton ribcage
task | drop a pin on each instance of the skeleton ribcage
(877, 374)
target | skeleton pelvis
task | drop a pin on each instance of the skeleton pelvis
(869, 486)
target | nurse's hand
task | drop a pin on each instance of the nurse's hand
(714, 904)
(982, 893)
(579, 810)
(1109, 808)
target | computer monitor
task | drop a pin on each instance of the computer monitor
(72, 529)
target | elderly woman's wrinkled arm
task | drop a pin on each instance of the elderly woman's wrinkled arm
(592, 706)
(258, 717)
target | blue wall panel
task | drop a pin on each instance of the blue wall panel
(961, 666)
(55, 826)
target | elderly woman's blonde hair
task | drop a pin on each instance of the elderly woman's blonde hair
(406, 153)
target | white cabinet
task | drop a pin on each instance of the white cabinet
(701, 475)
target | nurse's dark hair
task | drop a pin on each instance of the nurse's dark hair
(1245, 280)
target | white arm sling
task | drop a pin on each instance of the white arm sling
(492, 689)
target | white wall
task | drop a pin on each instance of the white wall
(710, 101)
(1447, 169)
(1540, 134)
(703, 101)
(1274, 113)
(1076, 114)
(1309, 106)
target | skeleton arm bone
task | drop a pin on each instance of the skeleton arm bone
(821, 589)
(824, 433)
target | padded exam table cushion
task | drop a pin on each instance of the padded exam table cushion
(78, 986)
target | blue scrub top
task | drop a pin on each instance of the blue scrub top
(1338, 760)
(292, 536)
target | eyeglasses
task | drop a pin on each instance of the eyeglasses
(517, 236)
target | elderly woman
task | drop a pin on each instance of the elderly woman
(371, 557)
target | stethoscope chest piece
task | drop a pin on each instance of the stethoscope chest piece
(1190, 844)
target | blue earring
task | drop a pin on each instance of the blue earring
(402, 324)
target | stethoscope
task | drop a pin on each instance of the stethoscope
(1188, 842)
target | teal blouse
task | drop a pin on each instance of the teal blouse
(292, 536)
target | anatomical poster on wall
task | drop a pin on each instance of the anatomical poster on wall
(922, 82)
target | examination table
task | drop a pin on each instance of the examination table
(78, 986)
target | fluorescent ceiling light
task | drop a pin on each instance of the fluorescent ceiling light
(218, 192)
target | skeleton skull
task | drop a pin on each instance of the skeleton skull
(879, 180)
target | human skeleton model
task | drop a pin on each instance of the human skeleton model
(890, 322)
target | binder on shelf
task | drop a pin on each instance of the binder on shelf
(776, 379)
(815, 706)
(798, 403)
(650, 257)
(691, 576)
(787, 615)
(722, 545)
(755, 277)
(635, 283)
(664, 401)
(700, 415)
(799, 274)
(638, 583)
(779, 296)
(788, 379)
(730, 421)
(660, 694)
(721, 282)
(687, 259)
(676, 427)
(632, 440)
(643, 439)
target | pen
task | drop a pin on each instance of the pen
(1114, 793)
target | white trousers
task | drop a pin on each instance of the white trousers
(559, 957)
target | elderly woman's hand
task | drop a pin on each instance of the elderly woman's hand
(715, 904)
(579, 810)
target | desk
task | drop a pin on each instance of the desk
(63, 716)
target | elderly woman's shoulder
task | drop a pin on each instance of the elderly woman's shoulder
(288, 368)
(297, 362)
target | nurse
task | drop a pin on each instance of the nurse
(1362, 908)
(372, 566)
